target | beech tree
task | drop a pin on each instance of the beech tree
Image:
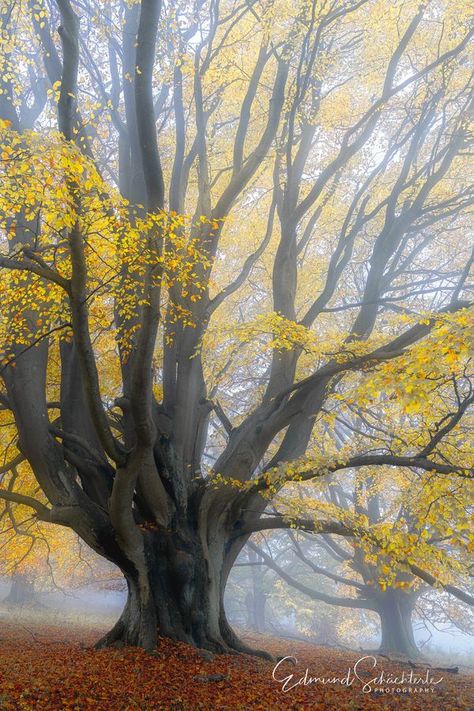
(393, 604)
(324, 570)
(245, 207)
(399, 524)
(395, 538)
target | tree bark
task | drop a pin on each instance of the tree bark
(180, 594)
(395, 609)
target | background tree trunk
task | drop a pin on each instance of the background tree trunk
(22, 593)
(395, 609)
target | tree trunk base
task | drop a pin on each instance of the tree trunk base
(127, 632)
(177, 593)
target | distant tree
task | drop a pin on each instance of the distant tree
(22, 592)
(404, 521)
(393, 604)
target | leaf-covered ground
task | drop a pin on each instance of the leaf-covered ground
(52, 667)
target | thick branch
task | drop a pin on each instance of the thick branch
(145, 60)
(313, 594)
(41, 510)
(332, 527)
(78, 293)
(41, 270)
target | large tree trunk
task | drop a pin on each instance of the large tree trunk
(395, 609)
(180, 594)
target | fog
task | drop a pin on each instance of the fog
(91, 607)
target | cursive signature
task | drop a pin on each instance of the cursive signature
(357, 673)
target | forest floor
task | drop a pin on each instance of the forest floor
(46, 667)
